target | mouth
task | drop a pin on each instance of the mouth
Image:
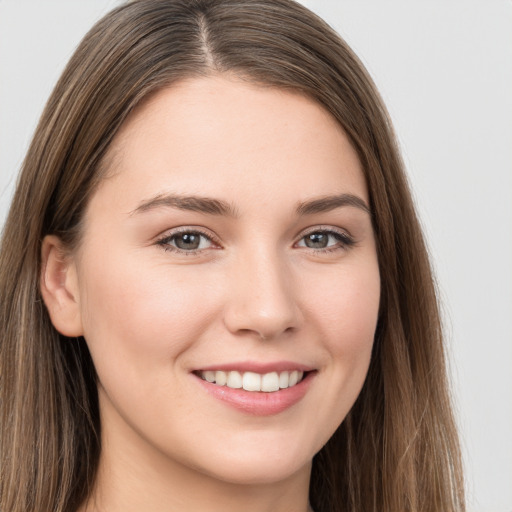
(257, 389)
(251, 381)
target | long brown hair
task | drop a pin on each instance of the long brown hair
(397, 450)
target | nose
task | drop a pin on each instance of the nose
(262, 297)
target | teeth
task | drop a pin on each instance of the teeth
(234, 380)
(270, 382)
(221, 378)
(284, 379)
(251, 381)
(209, 376)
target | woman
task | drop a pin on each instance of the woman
(223, 297)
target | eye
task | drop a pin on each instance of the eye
(186, 241)
(325, 239)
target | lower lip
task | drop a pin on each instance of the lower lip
(259, 403)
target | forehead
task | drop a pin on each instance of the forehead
(212, 135)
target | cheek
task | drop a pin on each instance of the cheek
(348, 316)
(140, 318)
(350, 307)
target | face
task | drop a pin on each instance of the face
(231, 246)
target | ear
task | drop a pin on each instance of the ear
(59, 287)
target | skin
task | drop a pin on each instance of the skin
(256, 292)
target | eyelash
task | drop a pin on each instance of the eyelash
(344, 240)
(164, 242)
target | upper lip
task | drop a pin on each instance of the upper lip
(257, 367)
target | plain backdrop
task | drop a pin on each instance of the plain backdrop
(444, 68)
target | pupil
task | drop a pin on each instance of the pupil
(317, 240)
(188, 241)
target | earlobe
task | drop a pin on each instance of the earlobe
(59, 287)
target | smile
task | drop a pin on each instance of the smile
(260, 393)
(251, 381)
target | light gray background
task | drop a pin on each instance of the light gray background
(445, 71)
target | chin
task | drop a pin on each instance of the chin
(259, 473)
(260, 466)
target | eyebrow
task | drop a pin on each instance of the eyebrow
(219, 207)
(199, 204)
(329, 203)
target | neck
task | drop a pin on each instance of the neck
(133, 476)
(127, 491)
